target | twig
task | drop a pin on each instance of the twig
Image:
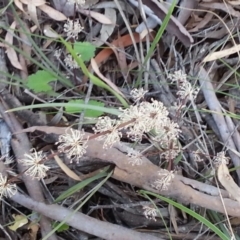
(215, 107)
(21, 145)
(81, 221)
(144, 175)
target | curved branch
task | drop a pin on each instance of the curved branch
(81, 221)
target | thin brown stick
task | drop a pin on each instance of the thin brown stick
(81, 221)
(21, 145)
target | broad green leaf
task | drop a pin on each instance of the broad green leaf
(85, 49)
(39, 82)
(88, 112)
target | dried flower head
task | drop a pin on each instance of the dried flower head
(72, 28)
(186, 90)
(220, 159)
(136, 158)
(70, 62)
(8, 160)
(110, 129)
(57, 53)
(197, 155)
(150, 212)
(6, 189)
(147, 116)
(164, 181)
(137, 121)
(138, 94)
(171, 153)
(35, 164)
(73, 144)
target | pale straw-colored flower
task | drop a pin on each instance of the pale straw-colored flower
(35, 164)
(110, 132)
(150, 212)
(186, 91)
(136, 118)
(72, 28)
(138, 94)
(6, 189)
(164, 181)
(136, 158)
(57, 53)
(73, 144)
(70, 62)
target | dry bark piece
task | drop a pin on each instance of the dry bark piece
(227, 181)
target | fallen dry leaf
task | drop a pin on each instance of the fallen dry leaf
(19, 5)
(106, 29)
(222, 53)
(66, 169)
(11, 53)
(36, 3)
(19, 221)
(174, 27)
(34, 227)
(97, 16)
(32, 11)
(49, 32)
(201, 24)
(221, 6)
(123, 41)
(52, 13)
(106, 80)
(234, 3)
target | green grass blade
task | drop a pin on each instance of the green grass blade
(83, 106)
(160, 32)
(156, 39)
(81, 185)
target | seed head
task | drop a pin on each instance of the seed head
(72, 28)
(35, 164)
(6, 189)
(73, 144)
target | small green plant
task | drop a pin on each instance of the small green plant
(39, 81)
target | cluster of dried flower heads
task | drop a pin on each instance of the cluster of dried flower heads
(142, 119)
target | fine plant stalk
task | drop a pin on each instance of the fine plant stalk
(49, 66)
(188, 211)
(218, 219)
(159, 212)
(93, 78)
(93, 191)
(157, 38)
(53, 72)
(81, 185)
(160, 32)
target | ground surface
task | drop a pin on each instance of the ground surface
(119, 125)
